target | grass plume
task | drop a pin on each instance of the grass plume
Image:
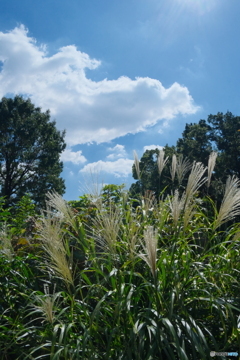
(195, 181)
(65, 211)
(173, 167)
(230, 206)
(211, 165)
(106, 226)
(136, 164)
(182, 167)
(150, 248)
(51, 235)
(161, 162)
(176, 205)
(5, 242)
(45, 304)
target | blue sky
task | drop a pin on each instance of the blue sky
(120, 75)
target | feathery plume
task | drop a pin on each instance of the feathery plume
(148, 202)
(230, 206)
(150, 248)
(161, 162)
(92, 186)
(51, 236)
(5, 242)
(136, 163)
(195, 181)
(107, 225)
(183, 166)
(173, 167)
(65, 211)
(211, 165)
(176, 205)
(46, 304)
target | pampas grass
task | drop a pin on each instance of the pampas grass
(136, 163)
(161, 162)
(173, 167)
(5, 242)
(150, 248)
(176, 205)
(183, 166)
(211, 165)
(45, 304)
(106, 226)
(51, 235)
(148, 202)
(92, 186)
(65, 211)
(230, 206)
(195, 181)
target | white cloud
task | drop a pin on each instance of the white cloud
(120, 167)
(74, 157)
(90, 111)
(152, 147)
(118, 151)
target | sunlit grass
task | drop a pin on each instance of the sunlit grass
(159, 282)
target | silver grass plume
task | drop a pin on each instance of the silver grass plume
(230, 206)
(45, 304)
(51, 235)
(176, 205)
(161, 162)
(183, 166)
(148, 202)
(195, 181)
(211, 165)
(150, 248)
(136, 163)
(92, 187)
(5, 242)
(173, 167)
(65, 211)
(106, 227)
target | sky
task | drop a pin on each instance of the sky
(120, 76)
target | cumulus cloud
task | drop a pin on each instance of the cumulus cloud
(118, 151)
(75, 157)
(152, 147)
(89, 110)
(120, 167)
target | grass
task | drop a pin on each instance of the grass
(157, 282)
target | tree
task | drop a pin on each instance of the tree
(150, 179)
(112, 194)
(226, 136)
(218, 133)
(195, 143)
(30, 148)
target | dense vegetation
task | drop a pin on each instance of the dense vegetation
(30, 148)
(109, 280)
(146, 274)
(220, 134)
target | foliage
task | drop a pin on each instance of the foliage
(23, 210)
(155, 176)
(29, 152)
(112, 193)
(157, 281)
(4, 213)
(219, 133)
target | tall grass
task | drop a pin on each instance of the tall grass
(158, 282)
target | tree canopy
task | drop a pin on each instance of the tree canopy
(220, 133)
(30, 148)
